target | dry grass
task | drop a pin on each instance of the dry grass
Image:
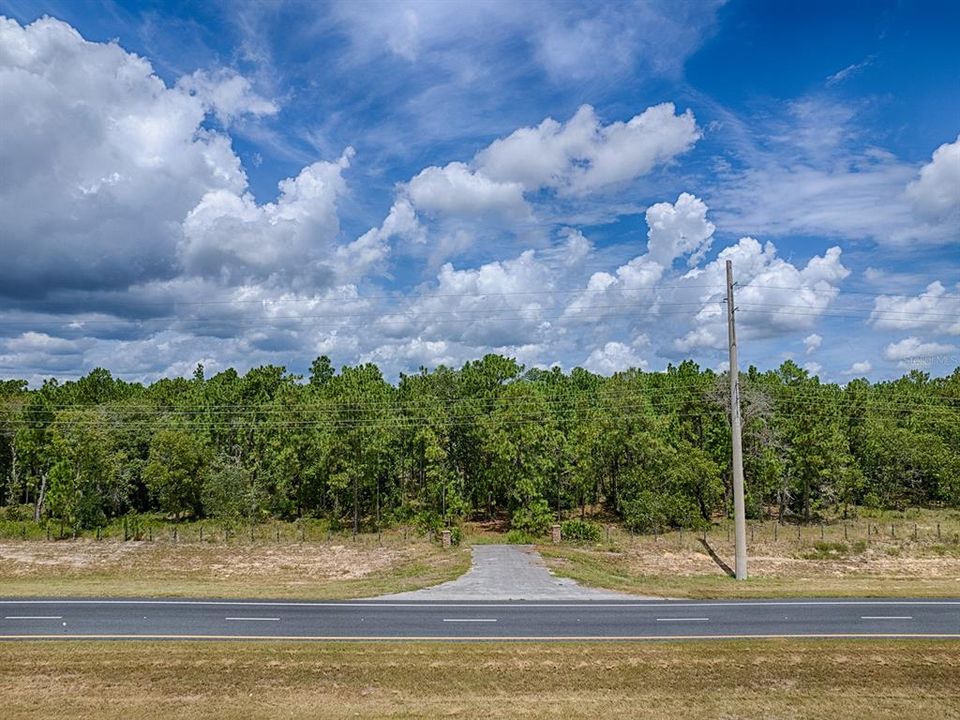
(719, 679)
(837, 561)
(338, 569)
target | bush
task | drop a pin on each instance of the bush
(518, 537)
(826, 551)
(648, 511)
(429, 522)
(580, 531)
(18, 513)
(533, 519)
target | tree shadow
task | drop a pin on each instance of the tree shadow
(717, 559)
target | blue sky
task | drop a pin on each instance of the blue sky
(414, 183)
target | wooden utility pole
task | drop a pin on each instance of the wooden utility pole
(739, 514)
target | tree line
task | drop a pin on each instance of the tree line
(487, 440)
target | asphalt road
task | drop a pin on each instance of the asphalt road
(378, 619)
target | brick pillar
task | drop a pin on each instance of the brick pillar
(555, 534)
(445, 538)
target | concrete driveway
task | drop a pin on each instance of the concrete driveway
(508, 572)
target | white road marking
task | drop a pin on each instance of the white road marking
(416, 604)
(886, 617)
(470, 619)
(479, 638)
(254, 619)
(683, 619)
(34, 617)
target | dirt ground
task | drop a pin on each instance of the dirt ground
(224, 570)
(834, 561)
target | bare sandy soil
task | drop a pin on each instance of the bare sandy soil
(694, 561)
(672, 565)
(308, 561)
(224, 570)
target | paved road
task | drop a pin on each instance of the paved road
(22, 619)
(509, 572)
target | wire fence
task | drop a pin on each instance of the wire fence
(826, 540)
(815, 540)
(147, 529)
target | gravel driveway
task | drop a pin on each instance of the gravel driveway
(508, 572)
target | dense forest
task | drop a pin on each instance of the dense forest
(487, 440)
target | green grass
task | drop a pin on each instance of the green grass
(842, 679)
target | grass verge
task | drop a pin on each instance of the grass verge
(849, 679)
(624, 571)
(332, 570)
(911, 554)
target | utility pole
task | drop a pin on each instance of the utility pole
(739, 515)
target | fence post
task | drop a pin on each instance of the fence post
(938, 531)
(821, 531)
(845, 535)
(775, 530)
(915, 531)
(175, 533)
(201, 533)
(278, 534)
(893, 534)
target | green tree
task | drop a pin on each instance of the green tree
(175, 471)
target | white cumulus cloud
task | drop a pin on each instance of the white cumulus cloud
(913, 348)
(615, 357)
(859, 368)
(811, 342)
(227, 93)
(773, 296)
(679, 229)
(935, 310)
(457, 190)
(936, 193)
(583, 156)
(99, 164)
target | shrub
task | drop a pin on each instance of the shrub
(580, 531)
(533, 519)
(518, 537)
(649, 510)
(826, 551)
(429, 522)
(18, 513)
